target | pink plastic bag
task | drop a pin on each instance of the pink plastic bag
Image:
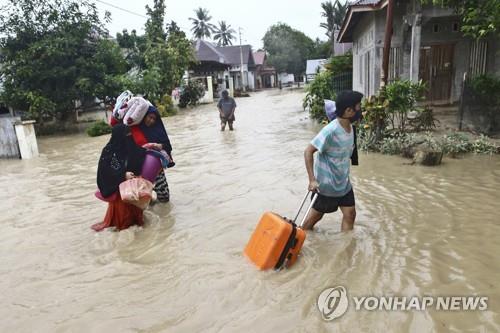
(136, 191)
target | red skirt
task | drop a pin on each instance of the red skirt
(120, 215)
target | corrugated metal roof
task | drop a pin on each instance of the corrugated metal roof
(205, 51)
(365, 2)
(232, 54)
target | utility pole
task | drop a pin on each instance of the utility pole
(241, 63)
(387, 43)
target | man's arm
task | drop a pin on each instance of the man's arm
(309, 159)
(232, 111)
(220, 111)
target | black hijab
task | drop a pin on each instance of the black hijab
(120, 155)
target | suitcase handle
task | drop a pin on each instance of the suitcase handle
(315, 196)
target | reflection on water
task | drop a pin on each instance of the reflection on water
(419, 231)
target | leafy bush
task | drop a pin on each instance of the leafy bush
(431, 143)
(340, 64)
(455, 144)
(366, 139)
(99, 127)
(191, 93)
(482, 88)
(375, 119)
(402, 97)
(397, 144)
(484, 146)
(166, 106)
(319, 90)
(424, 120)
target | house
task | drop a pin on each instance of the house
(314, 67)
(426, 45)
(224, 62)
(236, 57)
(265, 75)
(211, 64)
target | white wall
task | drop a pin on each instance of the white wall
(365, 53)
(251, 80)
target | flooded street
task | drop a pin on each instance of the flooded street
(419, 231)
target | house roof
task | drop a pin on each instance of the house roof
(313, 64)
(232, 54)
(365, 2)
(206, 51)
(354, 15)
(259, 57)
(229, 55)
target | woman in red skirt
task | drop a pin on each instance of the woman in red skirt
(121, 159)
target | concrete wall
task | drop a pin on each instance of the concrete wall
(9, 148)
(251, 80)
(364, 47)
(368, 39)
(28, 146)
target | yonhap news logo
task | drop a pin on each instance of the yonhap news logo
(333, 303)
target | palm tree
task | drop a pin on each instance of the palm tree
(334, 13)
(224, 34)
(201, 26)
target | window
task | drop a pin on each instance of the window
(435, 28)
(454, 27)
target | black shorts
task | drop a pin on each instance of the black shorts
(326, 204)
(225, 120)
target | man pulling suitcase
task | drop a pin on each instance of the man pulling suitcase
(329, 175)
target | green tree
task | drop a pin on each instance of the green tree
(334, 14)
(479, 18)
(167, 56)
(134, 47)
(201, 26)
(321, 50)
(288, 48)
(224, 34)
(53, 54)
(154, 24)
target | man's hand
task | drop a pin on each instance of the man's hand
(314, 186)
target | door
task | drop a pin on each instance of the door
(436, 70)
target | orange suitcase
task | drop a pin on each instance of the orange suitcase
(276, 242)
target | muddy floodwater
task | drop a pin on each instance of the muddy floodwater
(420, 231)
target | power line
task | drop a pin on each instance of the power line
(131, 12)
(122, 9)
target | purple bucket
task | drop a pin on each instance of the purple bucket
(151, 167)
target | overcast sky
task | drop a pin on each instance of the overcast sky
(253, 16)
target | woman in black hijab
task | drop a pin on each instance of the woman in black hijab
(120, 159)
(119, 156)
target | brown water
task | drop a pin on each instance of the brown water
(420, 231)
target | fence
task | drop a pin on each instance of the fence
(342, 82)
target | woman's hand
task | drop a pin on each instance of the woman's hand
(129, 175)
